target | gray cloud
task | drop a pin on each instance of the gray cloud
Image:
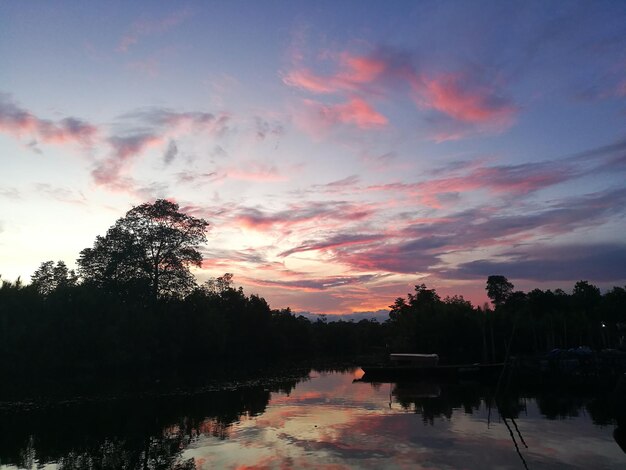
(265, 128)
(60, 194)
(320, 284)
(337, 241)
(10, 193)
(18, 122)
(170, 152)
(594, 262)
(136, 131)
(419, 247)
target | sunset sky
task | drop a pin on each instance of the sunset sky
(341, 151)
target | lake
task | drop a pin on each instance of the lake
(316, 420)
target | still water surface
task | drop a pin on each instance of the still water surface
(319, 420)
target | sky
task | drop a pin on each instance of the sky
(342, 152)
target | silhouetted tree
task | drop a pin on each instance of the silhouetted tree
(218, 285)
(498, 289)
(152, 246)
(48, 277)
(586, 295)
(425, 323)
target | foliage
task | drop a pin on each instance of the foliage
(86, 329)
(137, 308)
(48, 277)
(498, 289)
(425, 323)
(151, 248)
(535, 322)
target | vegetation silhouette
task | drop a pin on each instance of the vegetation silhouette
(147, 432)
(543, 321)
(150, 249)
(152, 432)
(135, 309)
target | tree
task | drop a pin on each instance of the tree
(217, 286)
(152, 247)
(586, 295)
(48, 277)
(498, 289)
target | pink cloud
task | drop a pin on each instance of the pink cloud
(124, 149)
(391, 257)
(308, 81)
(357, 111)
(163, 125)
(244, 259)
(465, 97)
(334, 243)
(262, 223)
(450, 95)
(19, 122)
(355, 71)
(361, 69)
(419, 247)
(315, 215)
(293, 282)
(513, 179)
(257, 172)
(318, 118)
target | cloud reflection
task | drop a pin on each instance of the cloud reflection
(331, 422)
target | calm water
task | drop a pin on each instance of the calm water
(320, 420)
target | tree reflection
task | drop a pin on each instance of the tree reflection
(436, 400)
(139, 433)
(432, 400)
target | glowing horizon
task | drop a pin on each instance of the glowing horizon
(340, 158)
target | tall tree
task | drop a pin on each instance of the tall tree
(48, 277)
(153, 245)
(498, 289)
(586, 295)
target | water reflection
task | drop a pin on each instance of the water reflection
(137, 433)
(328, 421)
(437, 399)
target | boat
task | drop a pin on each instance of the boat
(418, 366)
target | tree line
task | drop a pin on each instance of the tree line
(527, 323)
(133, 306)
